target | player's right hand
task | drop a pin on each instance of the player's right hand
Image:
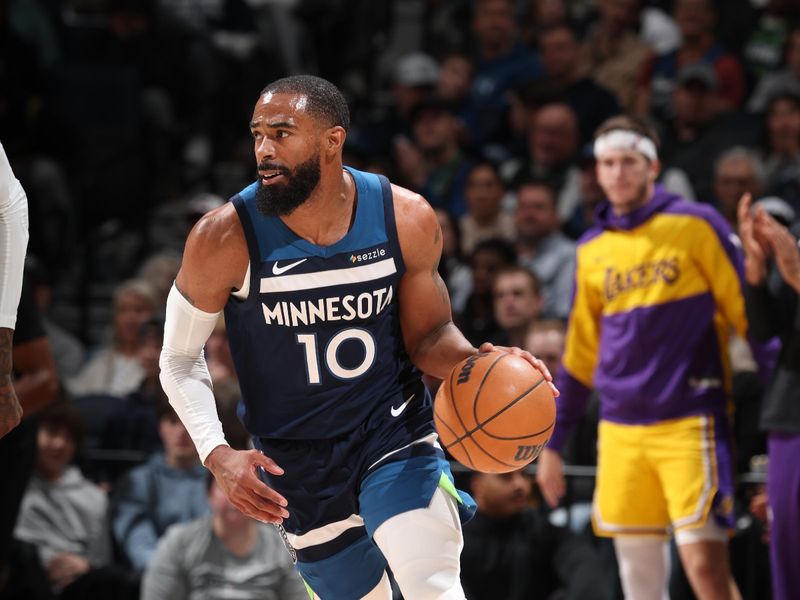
(550, 476)
(236, 472)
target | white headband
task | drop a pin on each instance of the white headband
(621, 139)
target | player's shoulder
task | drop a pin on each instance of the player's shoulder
(417, 227)
(411, 207)
(699, 212)
(678, 205)
(219, 230)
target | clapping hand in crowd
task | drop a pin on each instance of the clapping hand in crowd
(762, 238)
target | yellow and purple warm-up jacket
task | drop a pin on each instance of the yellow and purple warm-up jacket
(656, 293)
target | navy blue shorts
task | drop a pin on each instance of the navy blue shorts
(340, 490)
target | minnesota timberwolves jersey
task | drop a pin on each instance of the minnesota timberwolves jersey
(317, 343)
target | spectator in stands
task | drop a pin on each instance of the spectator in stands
(542, 248)
(696, 19)
(541, 15)
(768, 37)
(224, 555)
(66, 516)
(133, 424)
(114, 370)
(455, 79)
(502, 63)
(656, 27)
(168, 489)
(784, 80)
(452, 267)
(773, 309)
(485, 218)
(561, 58)
(701, 131)
(553, 143)
(614, 54)
(590, 193)
(782, 152)
(736, 172)
(414, 76)
(159, 270)
(545, 340)
(511, 551)
(477, 320)
(518, 304)
(434, 164)
(68, 351)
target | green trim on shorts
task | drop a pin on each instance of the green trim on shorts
(311, 594)
(449, 487)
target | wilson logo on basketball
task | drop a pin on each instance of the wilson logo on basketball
(528, 453)
(463, 375)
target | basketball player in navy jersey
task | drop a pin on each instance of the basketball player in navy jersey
(334, 308)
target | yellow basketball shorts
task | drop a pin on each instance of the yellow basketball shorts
(659, 477)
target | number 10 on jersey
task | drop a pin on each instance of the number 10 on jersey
(331, 354)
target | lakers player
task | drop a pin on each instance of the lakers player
(333, 306)
(658, 285)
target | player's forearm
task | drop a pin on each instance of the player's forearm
(570, 407)
(184, 374)
(441, 350)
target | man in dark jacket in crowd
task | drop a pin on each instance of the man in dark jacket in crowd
(512, 551)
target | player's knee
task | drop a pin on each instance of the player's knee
(421, 580)
(423, 548)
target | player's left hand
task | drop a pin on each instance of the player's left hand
(537, 364)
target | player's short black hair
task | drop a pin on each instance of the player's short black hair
(325, 101)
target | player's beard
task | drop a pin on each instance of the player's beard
(641, 196)
(281, 199)
(637, 199)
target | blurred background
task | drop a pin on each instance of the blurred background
(126, 120)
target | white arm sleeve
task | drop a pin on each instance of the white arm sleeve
(184, 373)
(13, 241)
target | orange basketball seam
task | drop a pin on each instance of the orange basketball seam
(446, 424)
(460, 420)
(480, 387)
(501, 411)
(486, 452)
(521, 437)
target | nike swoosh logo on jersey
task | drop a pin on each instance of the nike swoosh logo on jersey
(276, 270)
(396, 412)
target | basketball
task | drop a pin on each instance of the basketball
(495, 412)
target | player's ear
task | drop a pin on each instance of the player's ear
(334, 140)
(655, 170)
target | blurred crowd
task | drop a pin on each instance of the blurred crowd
(126, 120)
